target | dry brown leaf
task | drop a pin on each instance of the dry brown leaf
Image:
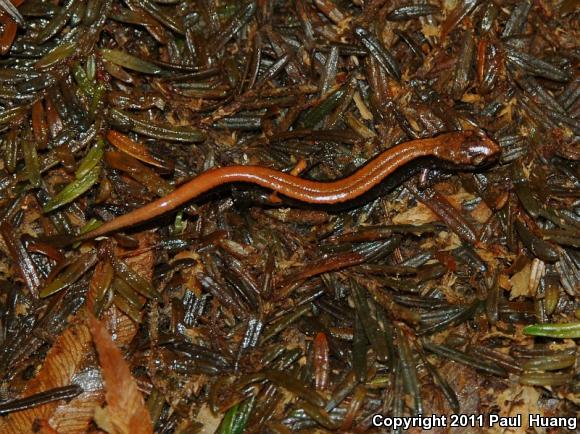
(119, 324)
(520, 282)
(429, 30)
(417, 215)
(61, 363)
(82, 409)
(518, 400)
(210, 421)
(504, 282)
(493, 256)
(471, 98)
(43, 427)
(481, 213)
(421, 214)
(508, 110)
(75, 417)
(126, 406)
(448, 240)
(103, 420)
(66, 357)
(143, 262)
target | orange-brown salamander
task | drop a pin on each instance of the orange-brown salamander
(465, 148)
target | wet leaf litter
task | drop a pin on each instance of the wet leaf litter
(442, 282)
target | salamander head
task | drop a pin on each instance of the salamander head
(467, 148)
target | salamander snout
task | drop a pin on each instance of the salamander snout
(469, 148)
(481, 150)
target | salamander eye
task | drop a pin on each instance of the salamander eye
(478, 159)
(480, 152)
